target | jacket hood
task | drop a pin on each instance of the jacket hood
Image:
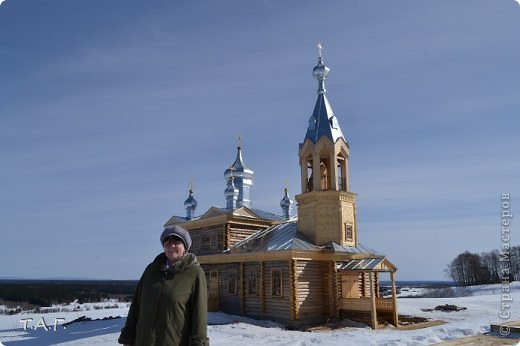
(187, 261)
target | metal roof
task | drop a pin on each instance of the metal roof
(178, 219)
(360, 264)
(284, 236)
(360, 248)
(267, 215)
(262, 214)
(323, 122)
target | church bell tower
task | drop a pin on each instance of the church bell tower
(326, 207)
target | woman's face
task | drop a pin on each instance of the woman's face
(173, 248)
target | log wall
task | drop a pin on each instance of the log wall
(331, 290)
(226, 235)
(310, 289)
(238, 232)
(253, 303)
(277, 308)
(261, 304)
(202, 242)
(229, 303)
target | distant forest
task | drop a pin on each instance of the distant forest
(492, 267)
(38, 293)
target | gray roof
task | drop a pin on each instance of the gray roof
(179, 219)
(267, 215)
(280, 237)
(360, 248)
(262, 214)
(285, 236)
(360, 264)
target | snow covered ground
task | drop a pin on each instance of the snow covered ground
(482, 309)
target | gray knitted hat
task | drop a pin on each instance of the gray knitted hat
(178, 232)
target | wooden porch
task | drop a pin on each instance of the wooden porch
(361, 301)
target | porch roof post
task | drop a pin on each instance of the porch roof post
(373, 312)
(394, 300)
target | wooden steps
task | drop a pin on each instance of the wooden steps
(501, 334)
(513, 327)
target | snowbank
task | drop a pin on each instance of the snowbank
(482, 309)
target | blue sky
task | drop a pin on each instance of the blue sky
(109, 108)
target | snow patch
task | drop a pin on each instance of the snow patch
(482, 309)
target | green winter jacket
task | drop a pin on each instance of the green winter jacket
(169, 307)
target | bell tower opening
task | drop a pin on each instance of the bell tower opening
(308, 175)
(324, 175)
(341, 172)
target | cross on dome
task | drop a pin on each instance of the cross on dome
(320, 49)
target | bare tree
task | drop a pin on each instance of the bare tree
(514, 258)
(468, 269)
(490, 260)
(473, 269)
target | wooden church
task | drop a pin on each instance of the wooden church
(297, 270)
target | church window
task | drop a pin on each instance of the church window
(197, 242)
(276, 282)
(252, 281)
(349, 234)
(213, 241)
(232, 282)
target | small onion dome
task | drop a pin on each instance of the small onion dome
(231, 193)
(286, 201)
(320, 71)
(190, 202)
(231, 190)
(286, 204)
(238, 168)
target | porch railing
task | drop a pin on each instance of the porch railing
(384, 304)
(365, 304)
(356, 304)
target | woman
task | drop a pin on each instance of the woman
(170, 303)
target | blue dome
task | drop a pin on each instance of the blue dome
(190, 202)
